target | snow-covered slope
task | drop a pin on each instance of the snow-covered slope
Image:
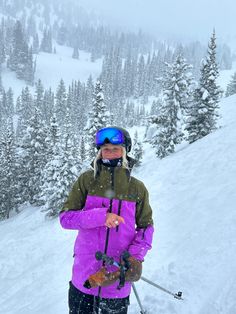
(51, 68)
(193, 197)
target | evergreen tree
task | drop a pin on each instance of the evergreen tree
(89, 92)
(155, 107)
(140, 79)
(33, 158)
(46, 43)
(231, 87)
(60, 171)
(137, 149)
(10, 102)
(48, 104)
(9, 195)
(39, 99)
(177, 94)
(6, 104)
(60, 105)
(98, 118)
(19, 54)
(164, 138)
(29, 68)
(83, 155)
(203, 113)
(24, 110)
(2, 46)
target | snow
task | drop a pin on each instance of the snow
(226, 76)
(51, 68)
(192, 193)
(205, 94)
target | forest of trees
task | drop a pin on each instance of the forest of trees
(47, 137)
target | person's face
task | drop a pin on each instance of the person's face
(110, 151)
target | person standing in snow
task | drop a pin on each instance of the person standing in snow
(110, 209)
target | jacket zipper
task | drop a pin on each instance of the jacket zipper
(108, 229)
(119, 208)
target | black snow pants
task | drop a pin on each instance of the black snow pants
(82, 303)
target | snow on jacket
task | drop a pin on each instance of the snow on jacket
(115, 191)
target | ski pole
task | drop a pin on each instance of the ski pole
(138, 299)
(177, 295)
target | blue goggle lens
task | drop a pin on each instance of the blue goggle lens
(111, 135)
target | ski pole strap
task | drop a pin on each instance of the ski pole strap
(122, 277)
(124, 266)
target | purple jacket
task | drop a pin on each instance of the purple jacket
(89, 220)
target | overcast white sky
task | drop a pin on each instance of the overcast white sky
(182, 18)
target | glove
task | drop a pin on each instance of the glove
(135, 270)
(102, 279)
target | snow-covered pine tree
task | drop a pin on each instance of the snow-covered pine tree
(24, 110)
(231, 87)
(82, 152)
(18, 42)
(98, 118)
(33, 158)
(140, 78)
(46, 43)
(60, 104)
(6, 103)
(9, 187)
(2, 46)
(203, 113)
(60, 171)
(53, 136)
(177, 94)
(20, 56)
(183, 86)
(89, 92)
(107, 78)
(117, 75)
(155, 107)
(48, 104)
(164, 138)
(137, 149)
(39, 99)
(129, 114)
(29, 68)
(128, 77)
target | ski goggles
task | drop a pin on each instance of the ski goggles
(109, 135)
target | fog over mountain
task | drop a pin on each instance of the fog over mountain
(182, 19)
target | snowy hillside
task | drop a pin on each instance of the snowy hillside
(51, 68)
(193, 198)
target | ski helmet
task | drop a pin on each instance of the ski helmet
(114, 135)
